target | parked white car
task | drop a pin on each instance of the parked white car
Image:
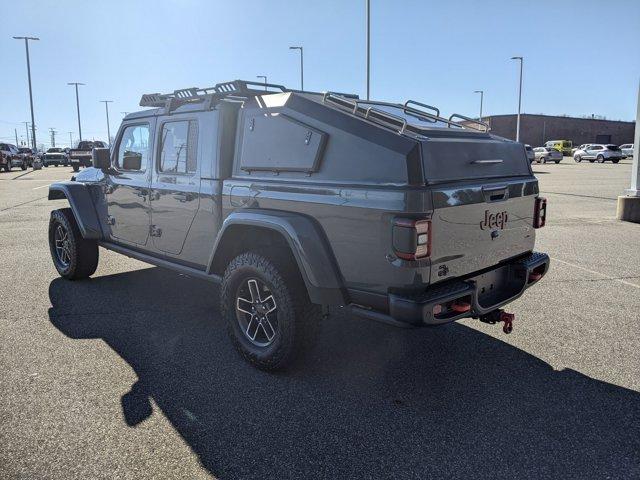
(627, 149)
(599, 152)
(544, 154)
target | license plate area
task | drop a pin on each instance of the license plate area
(499, 285)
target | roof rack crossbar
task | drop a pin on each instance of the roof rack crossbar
(237, 88)
(355, 106)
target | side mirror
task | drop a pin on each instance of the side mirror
(131, 161)
(101, 158)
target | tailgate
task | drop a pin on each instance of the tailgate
(483, 199)
(480, 225)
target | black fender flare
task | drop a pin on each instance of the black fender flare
(79, 198)
(308, 244)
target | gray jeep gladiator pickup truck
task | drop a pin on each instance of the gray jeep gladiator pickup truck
(296, 201)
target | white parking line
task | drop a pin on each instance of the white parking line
(596, 273)
(41, 186)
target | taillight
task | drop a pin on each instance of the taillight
(411, 238)
(540, 213)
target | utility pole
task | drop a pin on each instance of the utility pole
(264, 77)
(301, 66)
(368, 46)
(481, 92)
(53, 137)
(106, 109)
(26, 127)
(33, 123)
(519, 98)
(77, 107)
(70, 139)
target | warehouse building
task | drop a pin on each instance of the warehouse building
(538, 129)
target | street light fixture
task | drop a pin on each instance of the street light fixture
(33, 124)
(301, 66)
(519, 98)
(77, 107)
(264, 77)
(481, 92)
(106, 109)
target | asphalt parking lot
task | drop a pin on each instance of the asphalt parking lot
(130, 374)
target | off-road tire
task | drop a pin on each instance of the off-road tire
(83, 254)
(615, 161)
(298, 319)
(76, 168)
(23, 167)
(557, 161)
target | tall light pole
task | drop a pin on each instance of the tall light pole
(519, 98)
(264, 77)
(301, 66)
(368, 46)
(33, 124)
(77, 107)
(53, 136)
(106, 109)
(481, 92)
(70, 139)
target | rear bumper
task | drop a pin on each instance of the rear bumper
(471, 297)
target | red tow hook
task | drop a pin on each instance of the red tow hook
(508, 319)
(499, 315)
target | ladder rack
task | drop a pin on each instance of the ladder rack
(367, 109)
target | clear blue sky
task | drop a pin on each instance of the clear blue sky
(581, 56)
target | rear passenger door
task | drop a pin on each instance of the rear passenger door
(175, 184)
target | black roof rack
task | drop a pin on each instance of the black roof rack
(241, 89)
(236, 89)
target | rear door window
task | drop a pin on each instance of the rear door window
(178, 147)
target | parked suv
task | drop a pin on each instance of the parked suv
(599, 152)
(10, 157)
(627, 149)
(295, 201)
(544, 154)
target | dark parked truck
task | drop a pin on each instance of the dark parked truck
(296, 201)
(81, 155)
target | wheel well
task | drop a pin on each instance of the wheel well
(243, 238)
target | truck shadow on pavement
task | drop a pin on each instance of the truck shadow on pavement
(369, 401)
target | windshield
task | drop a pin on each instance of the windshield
(24, 150)
(54, 150)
